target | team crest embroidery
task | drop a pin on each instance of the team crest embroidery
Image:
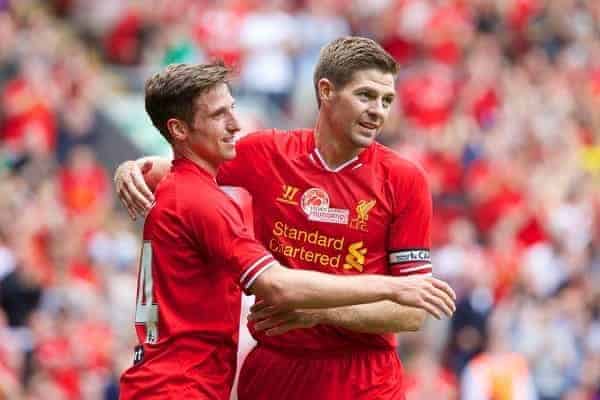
(315, 203)
(362, 215)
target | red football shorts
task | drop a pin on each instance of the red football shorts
(180, 372)
(269, 374)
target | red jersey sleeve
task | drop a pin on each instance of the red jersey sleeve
(218, 229)
(245, 169)
(410, 234)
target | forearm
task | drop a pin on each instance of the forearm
(160, 167)
(377, 318)
(289, 288)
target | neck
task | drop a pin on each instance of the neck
(333, 149)
(199, 161)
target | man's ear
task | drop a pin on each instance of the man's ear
(325, 88)
(178, 130)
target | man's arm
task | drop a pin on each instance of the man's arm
(136, 180)
(380, 317)
(285, 289)
(376, 318)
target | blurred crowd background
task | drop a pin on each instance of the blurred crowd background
(499, 100)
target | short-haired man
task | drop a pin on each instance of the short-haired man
(197, 253)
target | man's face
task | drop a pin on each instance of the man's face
(358, 110)
(212, 133)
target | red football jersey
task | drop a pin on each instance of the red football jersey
(196, 255)
(371, 215)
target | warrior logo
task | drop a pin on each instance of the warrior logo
(288, 195)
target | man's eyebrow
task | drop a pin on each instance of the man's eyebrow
(373, 90)
(367, 88)
(221, 109)
(218, 111)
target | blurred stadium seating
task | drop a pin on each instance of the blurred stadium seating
(499, 100)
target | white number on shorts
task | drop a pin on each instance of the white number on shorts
(146, 311)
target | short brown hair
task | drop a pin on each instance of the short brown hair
(340, 59)
(171, 92)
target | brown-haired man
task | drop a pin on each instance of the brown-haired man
(329, 200)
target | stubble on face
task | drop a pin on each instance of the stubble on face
(215, 125)
(362, 106)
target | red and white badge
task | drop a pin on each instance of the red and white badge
(315, 203)
(314, 198)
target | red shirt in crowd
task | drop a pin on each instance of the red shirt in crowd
(28, 121)
(428, 98)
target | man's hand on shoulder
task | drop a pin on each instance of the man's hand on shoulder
(132, 189)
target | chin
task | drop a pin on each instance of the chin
(229, 155)
(362, 141)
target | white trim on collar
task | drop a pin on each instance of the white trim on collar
(339, 168)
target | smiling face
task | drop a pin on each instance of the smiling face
(210, 136)
(191, 106)
(357, 111)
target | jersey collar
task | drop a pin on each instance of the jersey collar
(352, 164)
(185, 164)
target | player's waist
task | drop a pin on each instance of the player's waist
(194, 343)
(327, 339)
(323, 353)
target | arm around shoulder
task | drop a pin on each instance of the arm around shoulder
(153, 169)
(288, 288)
(291, 288)
(377, 318)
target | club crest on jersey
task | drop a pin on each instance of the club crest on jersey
(315, 204)
(362, 215)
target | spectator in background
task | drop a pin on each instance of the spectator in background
(8, 57)
(498, 373)
(268, 39)
(427, 379)
(29, 125)
(84, 184)
(521, 132)
(217, 27)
